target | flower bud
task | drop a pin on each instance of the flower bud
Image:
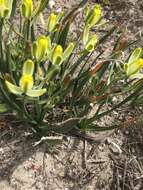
(27, 8)
(93, 16)
(134, 67)
(4, 9)
(52, 22)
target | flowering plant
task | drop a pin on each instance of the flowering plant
(53, 70)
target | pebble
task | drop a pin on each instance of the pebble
(51, 4)
(115, 148)
(1, 150)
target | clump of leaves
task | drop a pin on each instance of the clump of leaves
(51, 71)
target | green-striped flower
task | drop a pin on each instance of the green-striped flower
(26, 83)
(5, 8)
(93, 16)
(41, 47)
(27, 8)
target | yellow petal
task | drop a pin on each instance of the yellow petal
(36, 93)
(13, 88)
(134, 67)
(26, 83)
(57, 56)
(28, 67)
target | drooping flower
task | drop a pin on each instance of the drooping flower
(135, 63)
(27, 8)
(91, 43)
(5, 8)
(58, 55)
(41, 47)
(93, 16)
(134, 67)
(52, 22)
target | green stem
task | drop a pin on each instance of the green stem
(1, 41)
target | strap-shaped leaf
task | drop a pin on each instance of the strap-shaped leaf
(3, 108)
(13, 88)
(28, 68)
(36, 93)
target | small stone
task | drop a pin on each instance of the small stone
(115, 148)
(59, 10)
(1, 150)
(51, 4)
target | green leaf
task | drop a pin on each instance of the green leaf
(41, 7)
(63, 35)
(3, 108)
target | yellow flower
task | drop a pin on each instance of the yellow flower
(135, 63)
(27, 8)
(41, 47)
(4, 8)
(57, 56)
(26, 83)
(52, 22)
(91, 43)
(134, 67)
(93, 16)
